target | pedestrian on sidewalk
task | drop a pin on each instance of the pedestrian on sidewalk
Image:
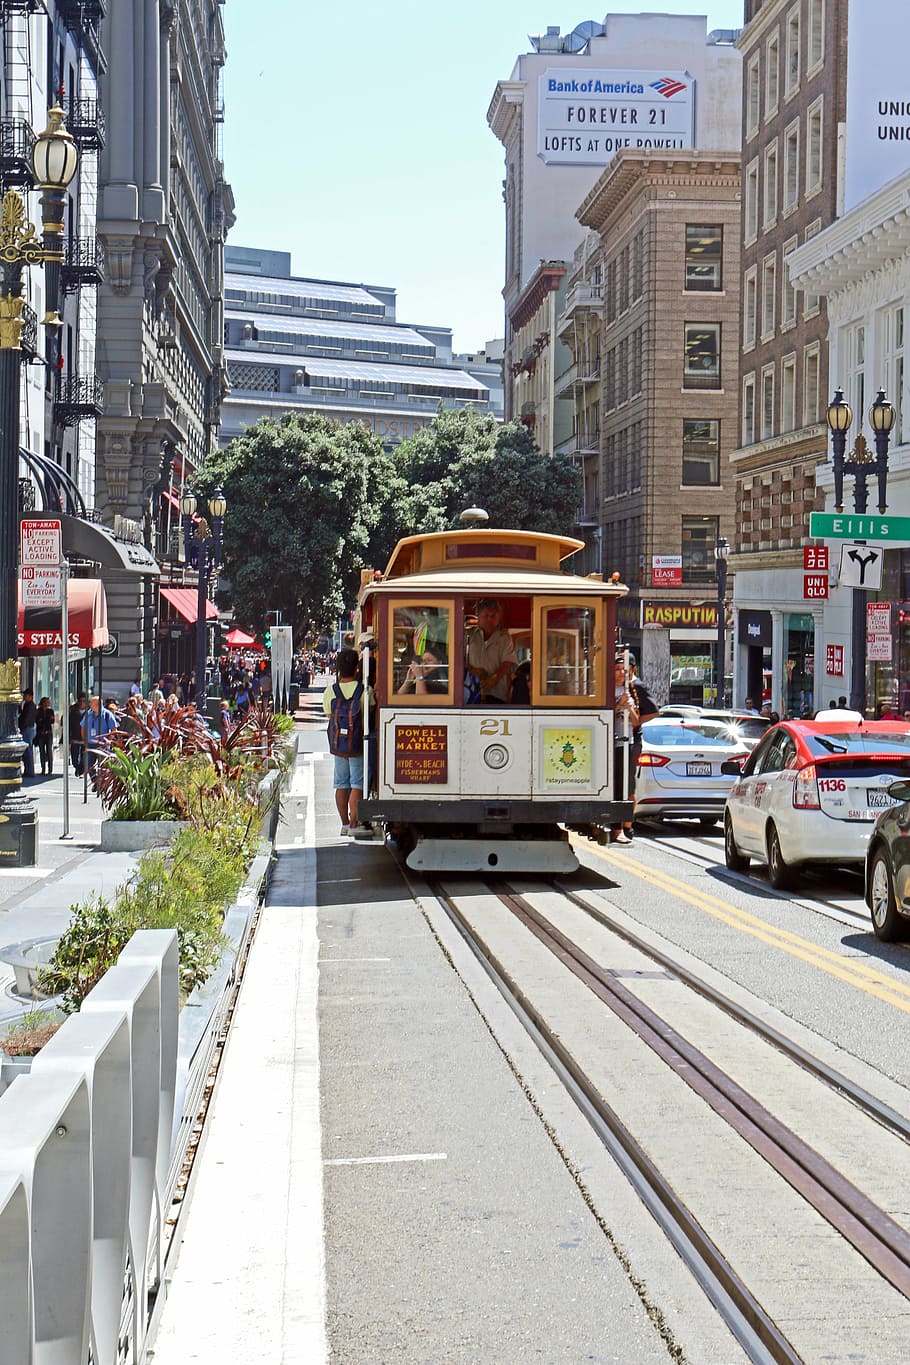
(28, 713)
(77, 748)
(98, 723)
(44, 735)
(342, 702)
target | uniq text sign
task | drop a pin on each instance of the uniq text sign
(878, 107)
(40, 541)
(585, 116)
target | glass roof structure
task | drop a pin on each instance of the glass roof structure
(328, 327)
(423, 376)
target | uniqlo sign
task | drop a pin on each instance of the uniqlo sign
(815, 558)
(834, 661)
(815, 585)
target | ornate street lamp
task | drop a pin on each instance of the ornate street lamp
(55, 161)
(862, 465)
(721, 553)
(204, 545)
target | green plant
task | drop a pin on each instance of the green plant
(93, 940)
(134, 787)
(27, 1035)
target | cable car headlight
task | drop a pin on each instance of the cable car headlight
(496, 756)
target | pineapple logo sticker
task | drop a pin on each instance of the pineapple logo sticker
(567, 757)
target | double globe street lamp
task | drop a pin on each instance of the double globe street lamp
(204, 545)
(54, 162)
(863, 466)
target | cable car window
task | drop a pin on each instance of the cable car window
(420, 650)
(568, 668)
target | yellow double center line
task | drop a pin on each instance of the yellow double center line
(859, 974)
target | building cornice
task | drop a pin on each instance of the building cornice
(629, 170)
(546, 278)
(795, 445)
(508, 97)
(769, 14)
(876, 231)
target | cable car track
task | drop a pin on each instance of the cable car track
(881, 1241)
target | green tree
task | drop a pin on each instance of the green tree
(305, 495)
(465, 458)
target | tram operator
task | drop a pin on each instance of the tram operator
(491, 652)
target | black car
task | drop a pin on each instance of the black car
(888, 867)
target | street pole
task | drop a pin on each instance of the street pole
(206, 545)
(721, 550)
(54, 161)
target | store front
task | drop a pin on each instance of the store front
(888, 677)
(756, 637)
(797, 682)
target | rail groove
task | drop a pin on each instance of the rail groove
(871, 1231)
(747, 1320)
(883, 1113)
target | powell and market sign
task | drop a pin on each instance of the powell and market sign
(586, 116)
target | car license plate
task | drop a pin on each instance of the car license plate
(698, 770)
(878, 800)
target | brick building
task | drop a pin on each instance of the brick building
(653, 312)
(794, 98)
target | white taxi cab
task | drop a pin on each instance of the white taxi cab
(811, 791)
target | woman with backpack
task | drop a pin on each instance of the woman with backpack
(343, 703)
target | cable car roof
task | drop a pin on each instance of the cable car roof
(463, 548)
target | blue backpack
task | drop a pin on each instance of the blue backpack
(346, 723)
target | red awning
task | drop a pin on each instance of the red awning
(170, 496)
(186, 602)
(238, 639)
(40, 627)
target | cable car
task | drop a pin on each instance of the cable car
(463, 774)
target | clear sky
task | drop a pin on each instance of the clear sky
(356, 138)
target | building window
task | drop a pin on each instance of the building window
(750, 202)
(699, 536)
(791, 69)
(854, 351)
(750, 306)
(753, 96)
(810, 385)
(788, 393)
(791, 166)
(893, 365)
(770, 200)
(768, 296)
(814, 129)
(810, 301)
(701, 450)
(701, 365)
(704, 251)
(772, 73)
(767, 403)
(749, 410)
(815, 35)
(787, 292)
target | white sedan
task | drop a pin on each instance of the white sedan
(810, 792)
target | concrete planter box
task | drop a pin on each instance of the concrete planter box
(131, 836)
(11, 1067)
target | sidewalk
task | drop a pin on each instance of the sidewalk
(35, 901)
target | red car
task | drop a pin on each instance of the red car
(811, 791)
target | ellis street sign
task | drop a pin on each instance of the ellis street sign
(852, 526)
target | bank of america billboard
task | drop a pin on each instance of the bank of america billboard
(878, 99)
(585, 116)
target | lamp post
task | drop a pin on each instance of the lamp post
(204, 544)
(721, 552)
(862, 465)
(54, 162)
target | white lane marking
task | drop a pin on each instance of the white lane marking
(338, 881)
(843, 915)
(384, 1160)
(323, 960)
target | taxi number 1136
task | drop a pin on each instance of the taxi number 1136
(832, 784)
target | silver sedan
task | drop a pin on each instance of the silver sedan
(679, 768)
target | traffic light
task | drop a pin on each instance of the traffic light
(268, 638)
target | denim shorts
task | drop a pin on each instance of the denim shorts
(348, 772)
